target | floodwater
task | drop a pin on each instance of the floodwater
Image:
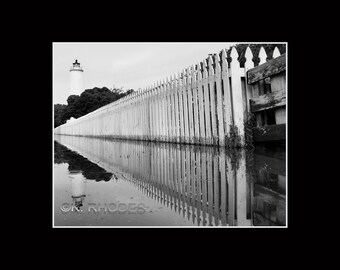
(100, 182)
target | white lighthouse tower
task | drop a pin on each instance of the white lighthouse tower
(77, 84)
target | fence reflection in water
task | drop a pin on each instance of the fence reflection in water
(206, 184)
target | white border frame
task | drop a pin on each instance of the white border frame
(205, 227)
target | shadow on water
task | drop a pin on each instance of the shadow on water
(204, 184)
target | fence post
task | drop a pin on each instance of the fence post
(185, 107)
(168, 105)
(201, 105)
(190, 111)
(165, 125)
(212, 101)
(195, 105)
(157, 118)
(154, 121)
(276, 52)
(162, 111)
(218, 80)
(228, 113)
(172, 104)
(208, 138)
(262, 56)
(180, 101)
(248, 65)
(175, 91)
(237, 97)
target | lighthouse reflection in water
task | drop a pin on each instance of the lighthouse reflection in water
(78, 184)
(168, 184)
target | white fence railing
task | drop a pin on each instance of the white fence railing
(204, 104)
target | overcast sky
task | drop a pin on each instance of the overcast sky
(128, 65)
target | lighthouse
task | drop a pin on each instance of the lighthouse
(77, 84)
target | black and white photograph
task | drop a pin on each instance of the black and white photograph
(170, 134)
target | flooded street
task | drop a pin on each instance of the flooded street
(101, 182)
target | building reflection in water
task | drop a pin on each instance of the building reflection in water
(207, 185)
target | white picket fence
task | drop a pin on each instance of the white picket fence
(196, 106)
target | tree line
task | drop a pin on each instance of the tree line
(88, 101)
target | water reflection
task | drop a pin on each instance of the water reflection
(79, 164)
(203, 184)
(78, 184)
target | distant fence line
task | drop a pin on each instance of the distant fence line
(206, 104)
